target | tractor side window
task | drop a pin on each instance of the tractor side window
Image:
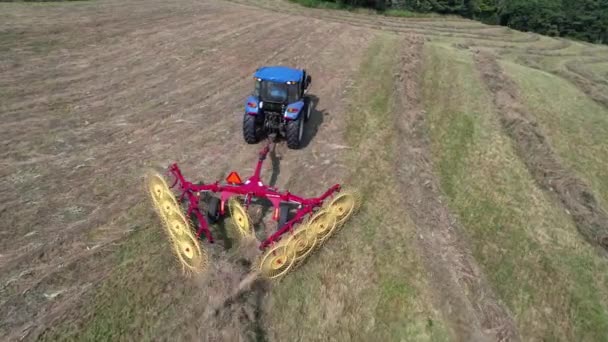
(294, 91)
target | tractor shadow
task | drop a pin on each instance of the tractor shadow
(312, 125)
(263, 231)
(275, 160)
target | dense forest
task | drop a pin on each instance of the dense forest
(580, 19)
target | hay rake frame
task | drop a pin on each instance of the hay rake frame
(323, 215)
(251, 188)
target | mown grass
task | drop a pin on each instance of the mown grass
(553, 282)
(600, 69)
(576, 126)
(132, 302)
(366, 283)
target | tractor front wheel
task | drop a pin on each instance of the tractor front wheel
(250, 129)
(295, 132)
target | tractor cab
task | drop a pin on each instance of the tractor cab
(274, 92)
(278, 105)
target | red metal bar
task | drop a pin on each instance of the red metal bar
(258, 167)
(287, 227)
(203, 227)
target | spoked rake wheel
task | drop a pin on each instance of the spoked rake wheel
(176, 224)
(162, 198)
(302, 242)
(157, 187)
(277, 261)
(344, 205)
(322, 224)
(240, 220)
(189, 253)
(183, 241)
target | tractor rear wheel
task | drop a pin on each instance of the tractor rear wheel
(251, 133)
(295, 132)
(307, 106)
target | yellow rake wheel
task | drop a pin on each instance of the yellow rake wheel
(240, 219)
(277, 261)
(156, 185)
(344, 205)
(322, 224)
(189, 253)
(162, 198)
(178, 228)
(302, 242)
(176, 223)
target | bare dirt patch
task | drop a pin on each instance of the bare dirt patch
(542, 162)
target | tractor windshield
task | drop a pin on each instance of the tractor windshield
(276, 92)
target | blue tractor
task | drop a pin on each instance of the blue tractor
(278, 106)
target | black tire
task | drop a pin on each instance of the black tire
(295, 132)
(283, 214)
(213, 209)
(307, 110)
(250, 129)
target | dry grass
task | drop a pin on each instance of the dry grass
(367, 282)
(575, 125)
(554, 284)
(84, 118)
(92, 92)
(599, 69)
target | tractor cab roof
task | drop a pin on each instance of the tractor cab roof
(279, 74)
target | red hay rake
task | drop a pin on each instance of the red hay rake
(315, 219)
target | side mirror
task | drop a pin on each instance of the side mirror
(308, 80)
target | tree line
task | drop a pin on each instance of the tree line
(580, 19)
